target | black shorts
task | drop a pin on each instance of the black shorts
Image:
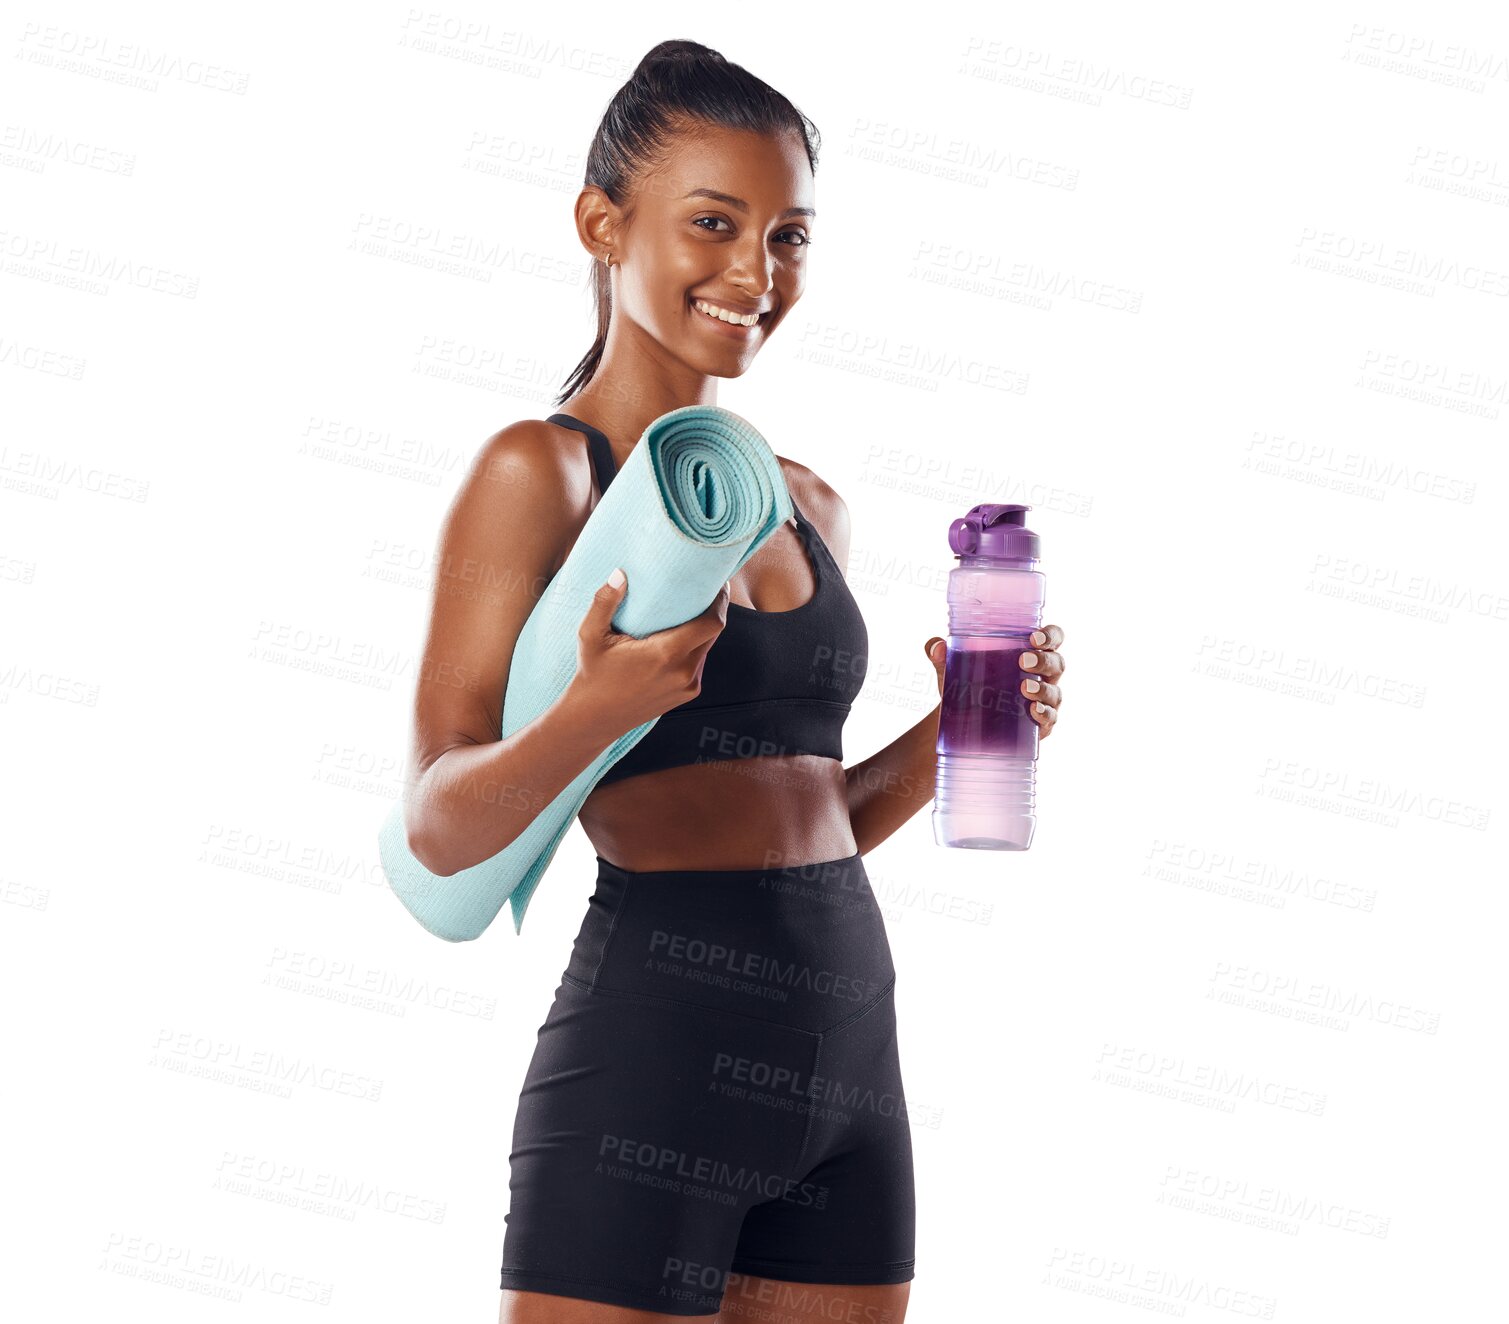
(715, 1090)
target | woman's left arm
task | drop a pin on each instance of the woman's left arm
(891, 785)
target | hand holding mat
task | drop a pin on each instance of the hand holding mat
(693, 502)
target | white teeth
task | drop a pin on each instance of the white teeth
(723, 315)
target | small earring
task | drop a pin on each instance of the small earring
(607, 259)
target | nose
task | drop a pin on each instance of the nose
(751, 267)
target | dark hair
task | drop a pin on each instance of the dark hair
(676, 82)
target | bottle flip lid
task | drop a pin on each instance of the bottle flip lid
(994, 530)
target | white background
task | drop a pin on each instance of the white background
(1220, 293)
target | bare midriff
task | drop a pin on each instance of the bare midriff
(757, 813)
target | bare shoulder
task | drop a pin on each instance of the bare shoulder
(528, 451)
(526, 469)
(822, 504)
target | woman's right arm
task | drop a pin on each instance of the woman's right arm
(468, 794)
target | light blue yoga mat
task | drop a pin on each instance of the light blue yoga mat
(692, 503)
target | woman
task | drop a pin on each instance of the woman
(713, 1117)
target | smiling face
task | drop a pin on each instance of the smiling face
(715, 236)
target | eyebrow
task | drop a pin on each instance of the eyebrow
(743, 206)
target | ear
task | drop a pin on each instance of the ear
(597, 220)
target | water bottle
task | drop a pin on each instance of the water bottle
(987, 740)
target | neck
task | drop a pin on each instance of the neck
(635, 383)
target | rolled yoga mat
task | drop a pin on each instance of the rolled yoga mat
(693, 502)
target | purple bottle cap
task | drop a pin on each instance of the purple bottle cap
(996, 531)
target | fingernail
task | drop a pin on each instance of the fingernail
(1040, 707)
(617, 577)
(1032, 687)
(1039, 638)
(1029, 659)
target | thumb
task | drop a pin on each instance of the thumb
(936, 650)
(605, 601)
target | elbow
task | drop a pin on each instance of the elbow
(425, 843)
(435, 848)
(422, 848)
(434, 837)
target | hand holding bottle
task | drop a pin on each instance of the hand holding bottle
(1043, 695)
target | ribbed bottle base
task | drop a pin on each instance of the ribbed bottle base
(984, 802)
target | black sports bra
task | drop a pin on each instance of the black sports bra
(773, 682)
